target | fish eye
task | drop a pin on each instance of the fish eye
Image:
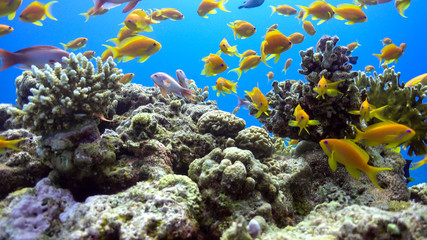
(326, 86)
(326, 142)
(408, 131)
(319, 85)
(363, 107)
(222, 65)
(302, 117)
(290, 43)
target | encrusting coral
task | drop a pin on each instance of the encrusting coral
(58, 99)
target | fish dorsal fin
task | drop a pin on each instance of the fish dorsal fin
(130, 39)
(362, 153)
(347, 5)
(380, 124)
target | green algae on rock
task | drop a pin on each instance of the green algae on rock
(55, 100)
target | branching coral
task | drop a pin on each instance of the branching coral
(54, 100)
(405, 104)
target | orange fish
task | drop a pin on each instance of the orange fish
(247, 53)
(208, 6)
(227, 49)
(9, 144)
(37, 11)
(123, 33)
(350, 12)
(89, 54)
(4, 30)
(8, 8)
(102, 117)
(418, 79)
(283, 10)
(296, 38)
(138, 46)
(247, 63)
(368, 111)
(270, 75)
(259, 101)
(287, 65)
(369, 68)
(87, 14)
(326, 87)
(224, 86)
(391, 53)
(242, 29)
(126, 78)
(169, 13)
(387, 41)
(352, 46)
(309, 28)
(139, 20)
(106, 54)
(275, 43)
(319, 10)
(213, 65)
(75, 44)
(302, 120)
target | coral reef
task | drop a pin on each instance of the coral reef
(405, 107)
(419, 193)
(335, 221)
(220, 123)
(256, 140)
(55, 100)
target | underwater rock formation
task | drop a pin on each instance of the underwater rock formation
(256, 140)
(405, 104)
(55, 100)
(220, 123)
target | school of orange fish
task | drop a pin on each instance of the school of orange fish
(129, 44)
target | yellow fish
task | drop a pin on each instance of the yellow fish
(391, 53)
(213, 65)
(309, 28)
(270, 75)
(138, 46)
(224, 86)
(283, 10)
(123, 33)
(419, 163)
(107, 53)
(326, 87)
(287, 65)
(259, 101)
(126, 78)
(8, 8)
(75, 44)
(369, 68)
(247, 63)
(302, 120)
(418, 79)
(89, 54)
(37, 11)
(352, 46)
(9, 144)
(87, 14)
(242, 29)
(4, 30)
(296, 38)
(394, 134)
(247, 53)
(368, 111)
(350, 12)
(208, 6)
(386, 41)
(275, 43)
(354, 158)
(401, 6)
(227, 49)
(139, 20)
(319, 10)
(168, 13)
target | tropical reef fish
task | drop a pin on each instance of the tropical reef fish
(352, 46)
(259, 101)
(224, 86)
(8, 8)
(241, 102)
(139, 20)
(418, 79)
(89, 54)
(36, 55)
(168, 85)
(247, 53)
(326, 87)
(138, 46)
(391, 53)
(270, 75)
(368, 111)
(247, 63)
(182, 78)
(106, 54)
(287, 65)
(251, 4)
(309, 28)
(391, 133)
(99, 4)
(224, 47)
(208, 6)
(9, 144)
(302, 120)
(300, 15)
(401, 6)
(296, 38)
(369, 68)
(167, 13)
(242, 29)
(275, 43)
(5, 29)
(100, 12)
(123, 33)
(102, 117)
(213, 65)
(75, 44)
(37, 11)
(419, 163)
(127, 78)
(350, 12)
(319, 10)
(387, 41)
(284, 10)
(363, 3)
(354, 158)
(272, 27)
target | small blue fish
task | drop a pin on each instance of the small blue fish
(252, 3)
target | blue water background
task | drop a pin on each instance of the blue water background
(186, 42)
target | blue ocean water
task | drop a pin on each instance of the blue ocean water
(186, 42)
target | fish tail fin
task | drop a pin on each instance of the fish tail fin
(8, 59)
(86, 15)
(233, 50)
(219, 52)
(238, 71)
(97, 7)
(418, 164)
(240, 101)
(233, 87)
(234, 30)
(12, 144)
(402, 7)
(188, 93)
(65, 46)
(378, 56)
(372, 173)
(359, 134)
(378, 113)
(114, 40)
(48, 11)
(274, 9)
(313, 122)
(306, 11)
(221, 5)
(114, 50)
(263, 55)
